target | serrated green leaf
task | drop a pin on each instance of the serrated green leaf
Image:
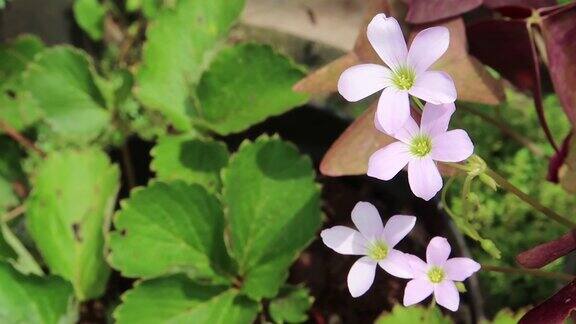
(31, 299)
(414, 314)
(74, 194)
(62, 80)
(170, 228)
(89, 15)
(17, 107)
(244, 85)
(273, 210)
(179, 43)
(177, 299)
(291, 305)
(191, 159)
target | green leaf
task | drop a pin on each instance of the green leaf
(18, 256)
(62, 80)
(31, 299)
(74, 195)
(273, 209)
(506, 316)
(17, 107)
(191, 159)
(291, 305)
(413, 314)
(89, 15)
(177, 299)
(10, 172)
(170, 228)
(179, 43)
(150, 8)
(245, 85)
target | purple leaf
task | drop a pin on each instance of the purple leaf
(520, 3)
(425, 11)
(555, 309)
(543, 254)
(559, 32)
(557, 160)
(506, 46)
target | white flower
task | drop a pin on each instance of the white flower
(372, 240)
(407, 72)
(438, 275)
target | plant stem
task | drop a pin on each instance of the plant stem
(502, 182)
(532, 272)
(13, 213)
(128, 166)
(418, 103)
(21, 139)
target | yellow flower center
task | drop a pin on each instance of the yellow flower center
(421, 146)
(403, 78)
(378, 251)
(436, 275)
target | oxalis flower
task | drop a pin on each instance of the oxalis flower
(437, 275)
(374, 241)
(419, 147)
(407, 72)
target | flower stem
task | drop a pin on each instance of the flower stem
(19, 138)
(502, 182)
(418, 103)
(531, 272)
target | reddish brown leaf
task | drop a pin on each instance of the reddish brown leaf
(555, 309)
(520, 3)
(349, 154)
(543, 254)
(325, 79)
(559, 32)
(425, 11)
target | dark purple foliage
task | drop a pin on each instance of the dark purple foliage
(555, 309)
(543, 254)
(425, 11)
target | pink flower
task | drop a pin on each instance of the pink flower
(419, 147)
(437, 275)
(372, 240)
(407, 72)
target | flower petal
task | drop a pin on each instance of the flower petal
(385, 35)
(344, 240)
(360, 81)
(408, 131)
(459, 269)
(361, 276)
(435, 118)
(419, 267)
(435, 87)
(416, 291)
(424, 178)
(385, 163)
(427, 47)
(452, 146)
(446, 294)
(438, 251)
(397, 227)
(393, 109)
(367, 219)
(397, 265)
